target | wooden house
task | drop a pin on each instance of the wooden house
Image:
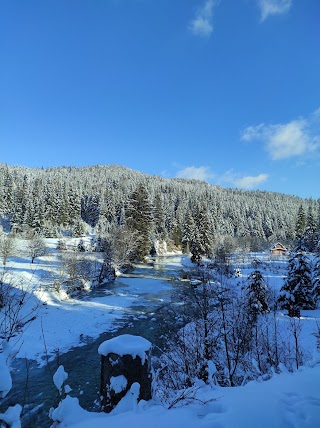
(278, 249)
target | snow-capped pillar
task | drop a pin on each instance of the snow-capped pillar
(125, 360)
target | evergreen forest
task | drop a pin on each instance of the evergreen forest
(187, 214)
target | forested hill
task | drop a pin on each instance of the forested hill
(67, 198)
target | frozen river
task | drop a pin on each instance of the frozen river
(157, 290)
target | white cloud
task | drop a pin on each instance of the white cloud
(273, 7)
(247, 182)
(202, 173)
(202, 24)
(287, 140)
(250, 182)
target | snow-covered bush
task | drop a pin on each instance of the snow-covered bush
(224, 344)
(15, 310)
(36, 247)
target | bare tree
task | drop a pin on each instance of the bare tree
(70, 272)
(36, 247)
(78, 271)
(7, 247)
(15, 312)
(120, 247)
(295, 329)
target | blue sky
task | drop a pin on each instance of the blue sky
(225, 91)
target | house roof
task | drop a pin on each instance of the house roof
(278, 243)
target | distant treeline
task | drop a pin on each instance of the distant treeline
(54, 201)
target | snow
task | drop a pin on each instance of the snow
(129, 402)
(60, 321)
(287, 400)
(126, 344)
(5, 376)
(118, 383)
(67, 389)
(212, 370)
(60, 377)
(69, 413)
(61, 324)
(12, 416)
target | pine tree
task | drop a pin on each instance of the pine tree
(38, 216)
(204, 225)
(64, 211)
(188, 232)
(74, 205)
(78, 228)
(309, 236)
(109, 206)
(7, 192)
(317, 237)
(297, 291)
(300, 223)
(139, 220)
(90, 209)
(196, 248)
(122, 216)
(201, 240)
(20, 206)
(257, 294)
(316, 279)
(159, 218)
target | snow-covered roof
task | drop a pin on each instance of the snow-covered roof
(277, 243)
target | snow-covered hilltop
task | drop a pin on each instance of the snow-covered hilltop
(69, 198)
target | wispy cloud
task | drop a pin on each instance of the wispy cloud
(202, 24)
(246, 182)
(202, 173)
(287, 140)
(273, 7)
(249, 182)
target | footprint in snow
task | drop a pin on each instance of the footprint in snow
(296, 408)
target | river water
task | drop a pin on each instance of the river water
(161, 287)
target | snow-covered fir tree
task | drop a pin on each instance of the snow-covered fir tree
(316, 279)
(301, 222)
(257, 294)
(297, 291)
(139, 220)
(90, 209)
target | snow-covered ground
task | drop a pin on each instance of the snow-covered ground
(61, 322)
(290, 400)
